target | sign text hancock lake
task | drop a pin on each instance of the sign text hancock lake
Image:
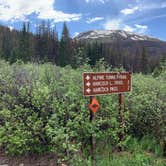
(106, 83)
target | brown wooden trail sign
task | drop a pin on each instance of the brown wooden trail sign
(95, 84)
(106, 83)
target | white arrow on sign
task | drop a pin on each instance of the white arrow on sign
(88, 83)
(88, 90)
(87, 77)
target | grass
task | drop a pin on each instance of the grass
(127, 159)
(144, 152)
(146, 144)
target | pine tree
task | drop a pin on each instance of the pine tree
(136, 61)
(65, 50)
(25, 44)
(53, 45)
(14, 55)
(111, 56)
(94, 52)
(6, 44)
(144, 61)
(46, 43)
(79, 57)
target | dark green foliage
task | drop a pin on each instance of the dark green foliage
(147, 107)
(79, 57)
(65, 48)
(144, 61)
(46, 43)
(161, 67)
(8, 41)
(42, 110)
(94, 52)
(25, 45)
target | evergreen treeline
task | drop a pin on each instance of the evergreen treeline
(45, 46)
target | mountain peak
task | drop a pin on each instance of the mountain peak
(113, 35)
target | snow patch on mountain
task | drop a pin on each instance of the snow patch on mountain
(113, 35)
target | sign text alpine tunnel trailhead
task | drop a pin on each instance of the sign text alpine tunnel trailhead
(106, 83)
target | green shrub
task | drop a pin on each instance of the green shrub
(147, 107)
(42, 110)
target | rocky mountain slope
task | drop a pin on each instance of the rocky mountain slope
(125, 41)
(113, 35)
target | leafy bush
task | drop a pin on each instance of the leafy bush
(42, 110)
(147, 107)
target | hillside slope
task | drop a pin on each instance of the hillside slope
(125, 40)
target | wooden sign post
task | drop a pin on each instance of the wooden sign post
(121, 119)
(95, 84)
(92, 139)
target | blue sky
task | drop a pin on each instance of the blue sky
(140, 16)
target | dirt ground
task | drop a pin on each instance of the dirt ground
(46, 160)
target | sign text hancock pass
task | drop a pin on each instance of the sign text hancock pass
(106, 83)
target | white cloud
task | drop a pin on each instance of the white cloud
(155, 17)
(128, 28)
(142, 6)
(91, 20)
(117, 24)
(153, 6)
(59, 16)
(101, 1)
(136, 28)
(75, 34)
(128, 11)
(18, 10)
(113, 24)
(141, 26)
